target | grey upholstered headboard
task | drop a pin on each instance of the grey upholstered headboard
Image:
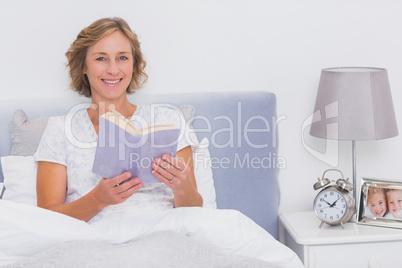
(243, 143)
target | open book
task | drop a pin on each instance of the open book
(121, 147)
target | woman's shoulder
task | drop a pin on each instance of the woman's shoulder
(56, 121)
(61, 121)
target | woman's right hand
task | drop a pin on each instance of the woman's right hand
(52, 184)
(116, 190)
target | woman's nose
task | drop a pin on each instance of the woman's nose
(113, 68)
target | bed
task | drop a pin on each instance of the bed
(237, 131)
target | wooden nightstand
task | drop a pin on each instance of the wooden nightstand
(331, 246)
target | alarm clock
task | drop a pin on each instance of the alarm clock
(334, 204)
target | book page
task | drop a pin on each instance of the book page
(121, 121)
(155, 128)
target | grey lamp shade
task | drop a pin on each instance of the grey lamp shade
(354, 103)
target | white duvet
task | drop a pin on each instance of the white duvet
(27, 230)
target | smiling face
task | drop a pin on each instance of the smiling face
(395, 203)
(377, 204)
(109, 67)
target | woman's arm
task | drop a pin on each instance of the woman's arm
(178, 174)
(52, 189)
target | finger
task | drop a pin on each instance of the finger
(161, 164)
(125, 185)
(131, 190)
(163, 176)
(164, 168)
(164, 171)
(175, 161)
(119, 179)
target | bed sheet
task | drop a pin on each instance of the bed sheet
(27, 230)
(161, 249)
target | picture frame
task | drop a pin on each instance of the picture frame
(378, 205)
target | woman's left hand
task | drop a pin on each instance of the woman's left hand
(172, 172)
(178, 174)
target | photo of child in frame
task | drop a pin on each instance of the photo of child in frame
(377, 201)
(394, 202)
(380, 203)
(384, 203)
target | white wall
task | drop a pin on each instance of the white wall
(225, 45)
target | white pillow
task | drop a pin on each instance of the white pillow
(19, 179)
(25, 134)
(203, 173)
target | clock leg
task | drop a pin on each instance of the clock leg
(342, 225)
(321, 224)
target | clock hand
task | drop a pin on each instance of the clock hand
(326, 202)
(325, 207)
(333, 204)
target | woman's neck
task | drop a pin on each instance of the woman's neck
(98, 108)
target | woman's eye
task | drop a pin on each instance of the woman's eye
(101, 59)
(122, 58)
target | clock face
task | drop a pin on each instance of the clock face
(330, 206)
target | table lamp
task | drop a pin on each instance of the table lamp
(359, 101)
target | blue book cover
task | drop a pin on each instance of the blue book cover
(122, 148)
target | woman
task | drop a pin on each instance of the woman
(105, 64)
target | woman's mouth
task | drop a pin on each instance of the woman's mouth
(111, 82)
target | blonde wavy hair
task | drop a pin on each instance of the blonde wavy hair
(76, 54)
